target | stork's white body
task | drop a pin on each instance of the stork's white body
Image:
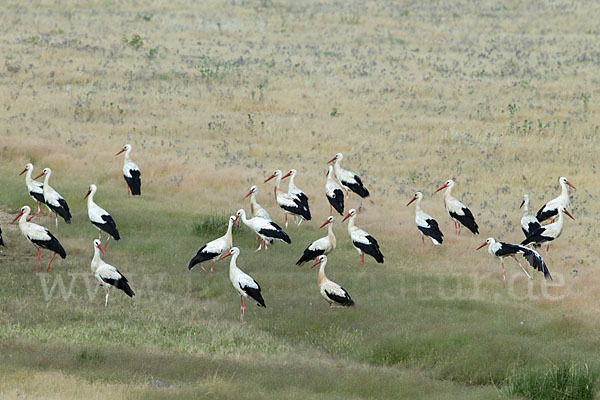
(100, 218)
(529, 222)
(334, 193)
(362, 241)
(550, 209)
(333, 293)
(266, 230)
(34, 188)
(425, 223)
(256, 209)
(107, 275)
(215, 248)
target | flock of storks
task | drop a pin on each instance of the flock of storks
(294, 203)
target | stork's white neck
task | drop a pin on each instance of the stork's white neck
(526, 204)
(321, 277)
(127, 158)
(351, 223)
(233, 268)
(90, 199)
(96, 261)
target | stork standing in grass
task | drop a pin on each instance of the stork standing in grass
(503, 250)
(324, 245)
(289, 204)
(107, 275)
(333, 293)
(256, 210)
(529, 222)
(459, 213)
(34, 188)
(100, 218)
(243, 283)
(266, 230)
(39, 236)
(54, 200)
(295, 192)
(131, 173)
(1, 241)
(348, 180)
(214, 249)
(334, 193)
(425, 223)
(547, 233)
(551, 208)
(361, 240)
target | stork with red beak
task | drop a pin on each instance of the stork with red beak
(324, 245)
(334, 193)
(425, 223)
(131, 173)
(529, 222)
(214, 249)
(547, 233)
(107, 275)
(333, 293)
(503, 250)
(34, 188)
(459, 213)
(54, 200)
(361, 240)
(39, 236)
(551, 208)
(348, 180)
(288, 203)
(243, 283)
(267, 231)
(256, 210)
(100, 218)
(295, 192)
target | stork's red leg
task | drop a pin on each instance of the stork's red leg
(286, 220)
(423, 239)
(37, 268)
(212, 266)
(503, 270)
(265, 244)
(330, 210)
(48, 268)
(241, 309)
(106, 242)
(548, 248)
(362, 259)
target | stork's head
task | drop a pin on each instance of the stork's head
(253, 189)
(28, 167)
(564, 181)
(449, 184)
(564, 210)
(328, 221)
(232, 220)
(337, 157)
(489, 240)
(98, 245)
(45, 171)
(276, 173)
(25, 210)
(91, 190)
(127, 147)
(291, 173)
(321, 259)
(417, 196)
(351, 213)
(240, 214)
(234, 251)
(525, 201)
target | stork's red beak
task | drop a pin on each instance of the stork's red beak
(234, 223)
(42, 174)
(569, 183)
(444, 186)
(346, 217)
(324, 224)
(484, 243)
(88, 193)
(249, 193)
(224, 255)
(17, 217)
(566, 212)
(22, 172)
(285, 176)
(269, 178)
(523, 202)
(122, 150)
(317, 262)
(413, 199)
(332, 160)
(100, 248)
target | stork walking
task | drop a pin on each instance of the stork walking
(529, 222)
(243, 283)
(459, 213)
(334, 193)
(214, 249)
(131, 173)
(503, 250)
(54, 200)
(333, 293)
(266, 230)
(348, 180)
(256, 210)
(34, 188)
(547, 233)
(361, 240)
(107, 275)
(100, 218)
(322, 246)
(295, 192)
(39, 236)
(425, 223)
(289, 204)
(551, 208)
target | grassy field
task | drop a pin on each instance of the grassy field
(502, 97)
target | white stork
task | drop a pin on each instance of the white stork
(324, 245)
(349, 180)
(266, 230)
(459, 213)
(335, 295)
(289, 204)
(256, 210)
(503, 250)
(425, 223)
(34, 188)
(107, 275)
(131, 173)
(550, 209)
(214, 249)
(361, 240)
(334, 193)
(294, 191)
(243, 283)
(54, 200)
(39, 237)
(548, 233)
(1, 241)
(100, 218)
(529, 222)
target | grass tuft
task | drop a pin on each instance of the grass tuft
(563, 381)
(210, 225)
